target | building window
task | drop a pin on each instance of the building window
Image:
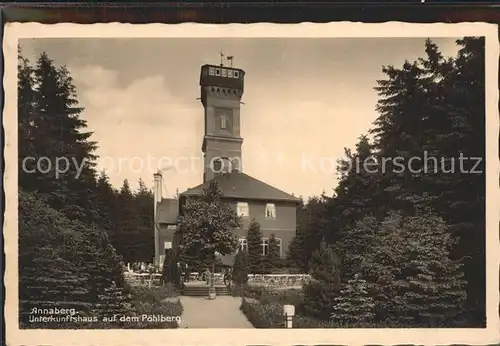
(236, 74)
(211, 71)
(265, 246)
(224, 72)
(278, 241)
(217, 71)
(242, 209)
(230, 73)
(243, 244)
(270, 211)
(223, 122)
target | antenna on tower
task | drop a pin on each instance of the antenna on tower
(221, 58)
(231, 58)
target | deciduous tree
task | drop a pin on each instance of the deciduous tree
(207, 225)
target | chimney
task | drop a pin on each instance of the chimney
(157, 187)
(157, 199)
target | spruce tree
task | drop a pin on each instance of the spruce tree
(107, 203)
(296, 258)
(102, 263)
(27, 126)
(126, 234)
(436, 105)
(52, 268)
(434, 291)
(254, 241)
(145, 210)
(61, 133)
(354, 306)
(314, 221)
(459, 129)
(355, 193)
(355, 197)
(399, 132)
(240, 268)
(113, 301)
(64, 252)
(418, 281)
(320, 293)
(356, 245)
(273, 259)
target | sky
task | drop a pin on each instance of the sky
(305, 100)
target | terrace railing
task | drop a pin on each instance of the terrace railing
(269, 280)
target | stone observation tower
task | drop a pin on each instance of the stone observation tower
(221, 89)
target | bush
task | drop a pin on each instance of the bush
(154, 293)
(157, 300)
(263, 315)
(319, 299)
(165, 308)
(284, 297)
(270, 315)
(311, 322)
(266, 295)
(264, 307)
(255, 292)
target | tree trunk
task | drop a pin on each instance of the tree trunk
(212, 283)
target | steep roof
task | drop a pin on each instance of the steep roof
(167, 210)
(241, 185)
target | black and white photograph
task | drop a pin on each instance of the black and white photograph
(232, 180)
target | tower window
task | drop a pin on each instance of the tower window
(217, 71)
(242, 209)
(270, 211)
(228, 165)
(265, 246)
(243, 244)
(211, 71)
(235, 164)
(236, 74)
(223, 122)
(217, 165)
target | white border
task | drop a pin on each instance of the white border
(14, 31)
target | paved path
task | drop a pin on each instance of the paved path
(222, 312)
